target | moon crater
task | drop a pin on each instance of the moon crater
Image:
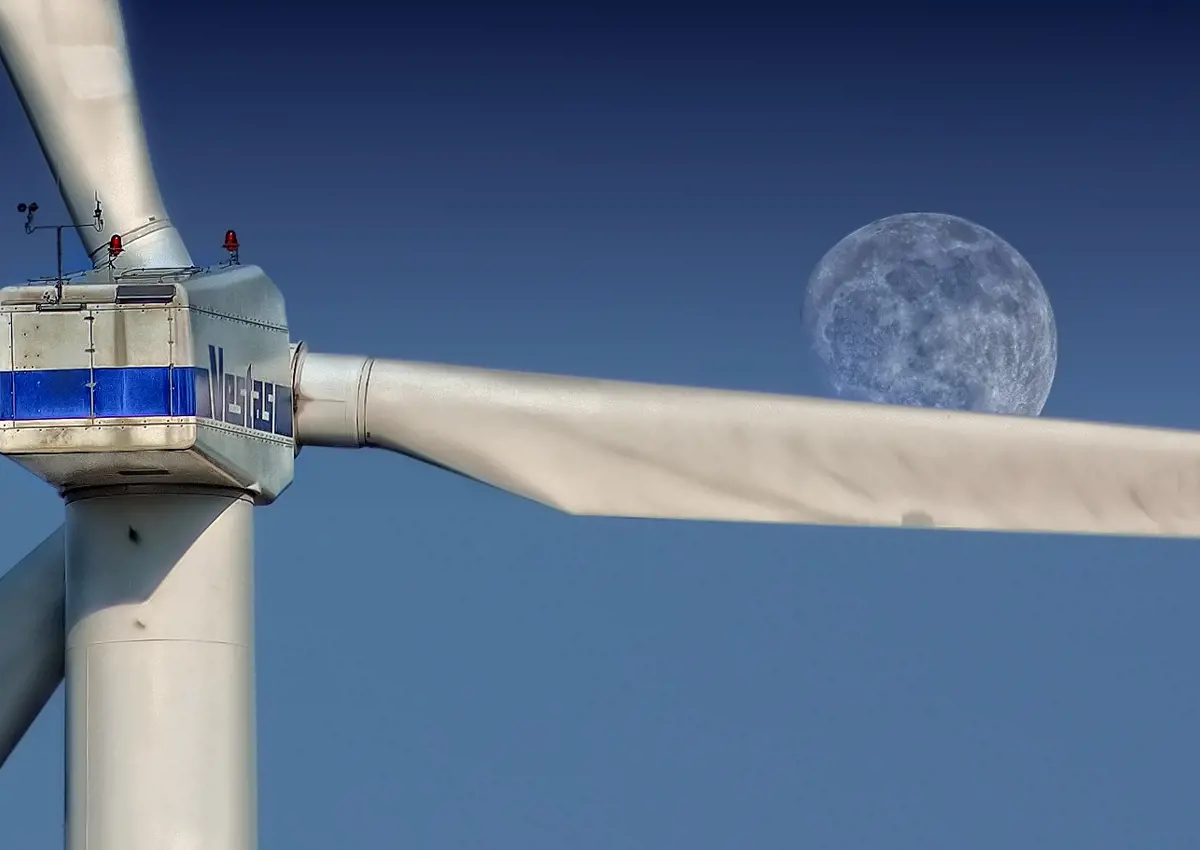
(932, 310)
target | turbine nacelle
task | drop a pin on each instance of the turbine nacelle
(150, 376)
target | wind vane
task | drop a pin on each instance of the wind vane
(97, 224)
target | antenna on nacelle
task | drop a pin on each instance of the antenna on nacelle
(97, 224)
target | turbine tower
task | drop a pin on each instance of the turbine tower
(166, 401)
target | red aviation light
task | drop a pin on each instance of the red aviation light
(231, 241)
(114, 245)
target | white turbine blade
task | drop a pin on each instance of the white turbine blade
(32, 638)
(639, 450)
(69, 63)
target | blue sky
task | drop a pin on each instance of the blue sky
(642, 194)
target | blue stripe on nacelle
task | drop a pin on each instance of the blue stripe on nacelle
(183, 390)
(52, 394)
(140, 391)
(96, 393)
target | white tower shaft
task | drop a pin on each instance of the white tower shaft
(160, 672)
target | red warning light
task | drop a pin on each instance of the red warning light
(114, 245)
(231, 241)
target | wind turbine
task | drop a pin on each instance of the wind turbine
(166, 401)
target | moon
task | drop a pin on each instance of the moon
(932, 310)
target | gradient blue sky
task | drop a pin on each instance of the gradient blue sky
(641, 193)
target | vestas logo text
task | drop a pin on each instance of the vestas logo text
(242, 399)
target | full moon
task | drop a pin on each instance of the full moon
(932, 310)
